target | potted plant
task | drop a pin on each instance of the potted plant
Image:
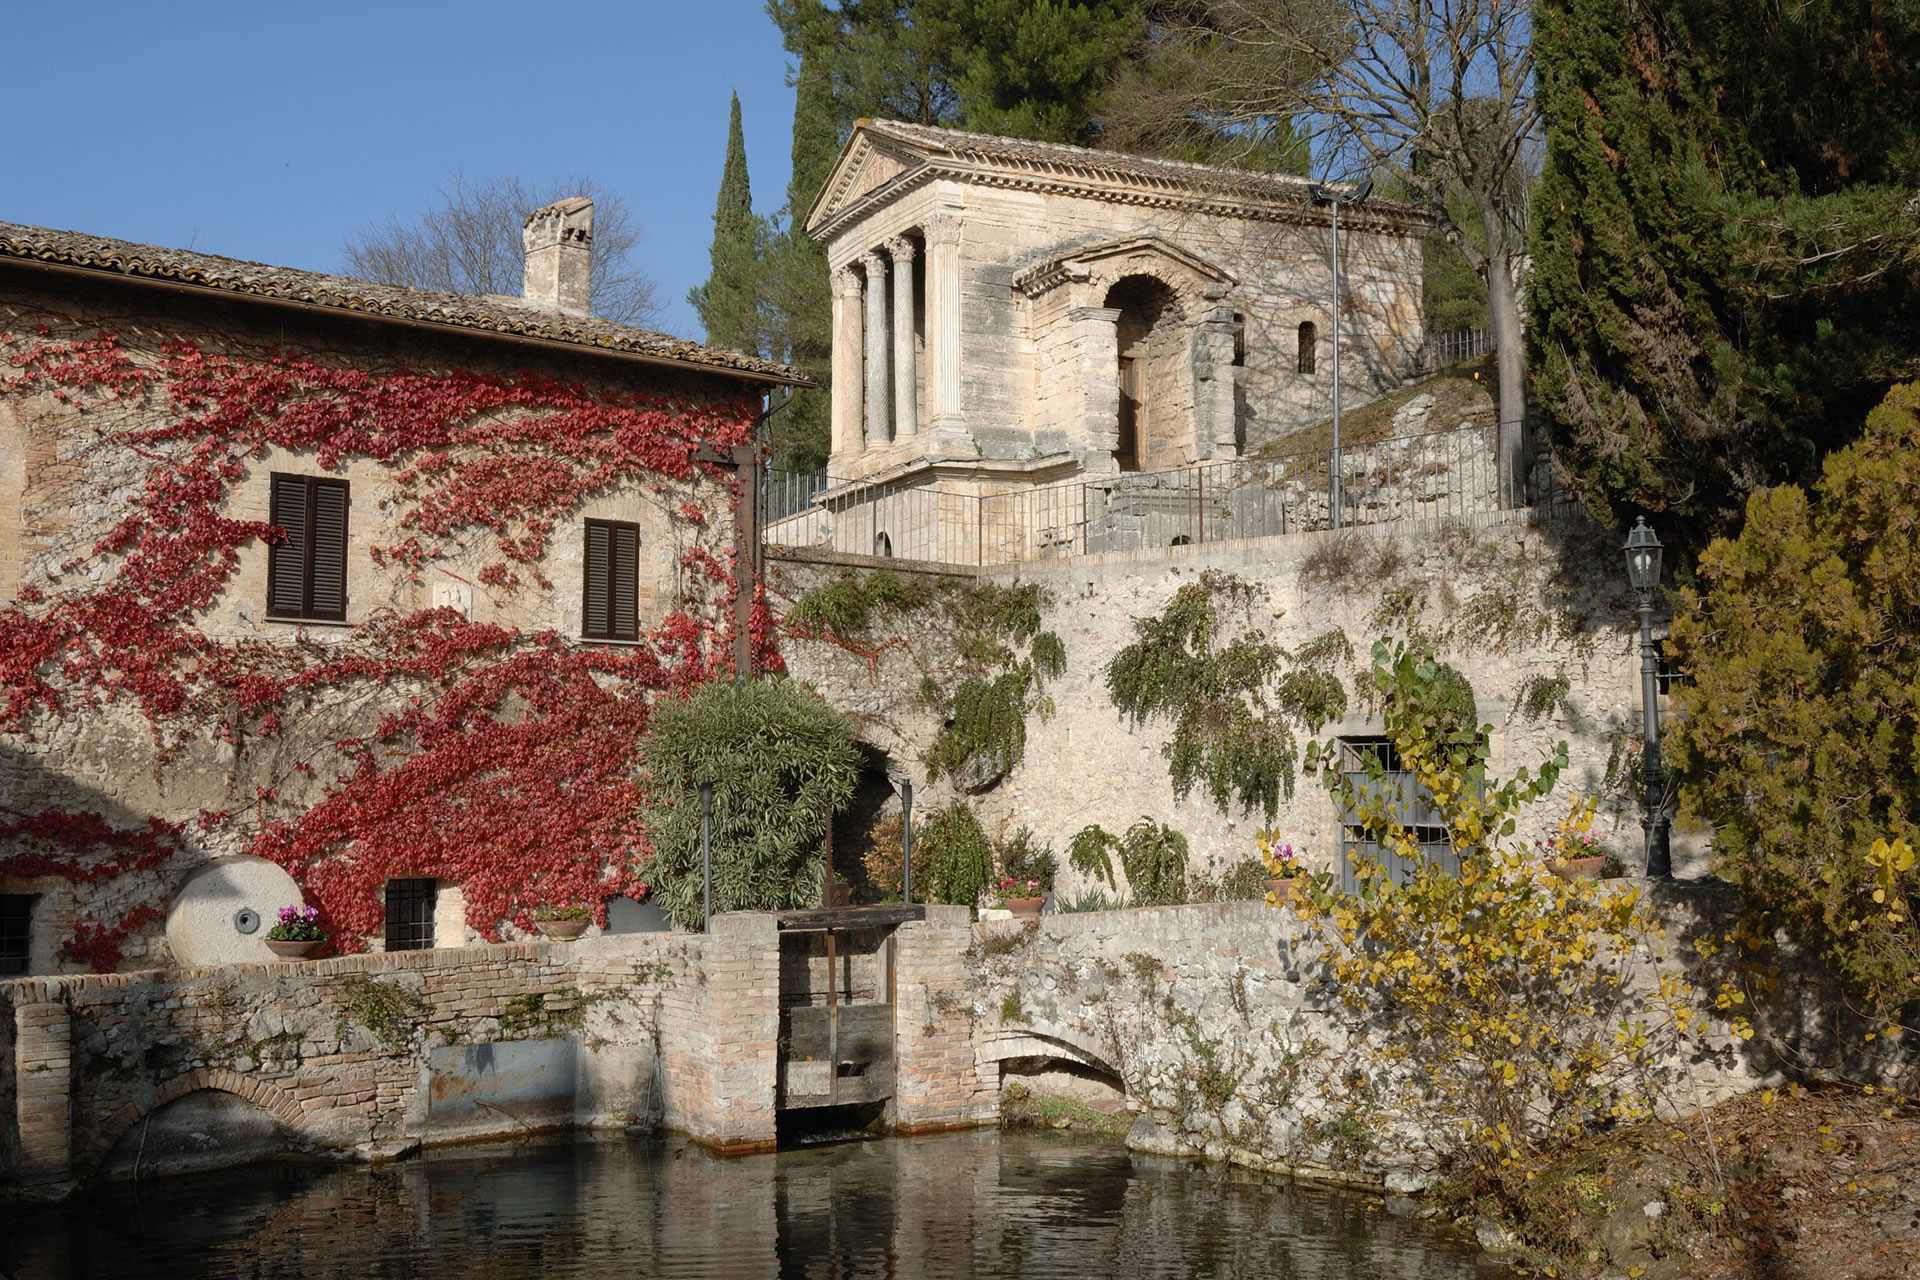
(1027, 868)
(1283, 865)
(1022, 897)
(562, 923)
(1573, 852)
(297, 935)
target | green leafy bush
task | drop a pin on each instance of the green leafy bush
(1153, 855)
(780, 760)
(844, 606)
(1796, 736)
(952, 861)
(1023, 856)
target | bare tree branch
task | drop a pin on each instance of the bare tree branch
(470, 243)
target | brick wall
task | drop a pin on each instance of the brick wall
(936, 1084)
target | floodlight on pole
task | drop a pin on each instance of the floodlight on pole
(1332, 197)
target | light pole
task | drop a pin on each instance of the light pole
(1322, 194)
(1643, 571)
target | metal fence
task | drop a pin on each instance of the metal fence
(1443, 349)
(1446, 473)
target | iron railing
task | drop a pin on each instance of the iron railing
(1443, 349)
(1441, 474)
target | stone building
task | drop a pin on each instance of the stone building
(469, 468)
(1009, 314)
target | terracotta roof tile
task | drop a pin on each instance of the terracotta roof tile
(427, 306)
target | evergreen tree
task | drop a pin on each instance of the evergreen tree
(1726, 255)
(800, 307)
(729, 302)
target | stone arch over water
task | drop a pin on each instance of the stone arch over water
(271, 1102)
(1054, 1061)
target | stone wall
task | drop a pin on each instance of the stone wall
(1231, 1042)
(1505, 597)
(351, 1054)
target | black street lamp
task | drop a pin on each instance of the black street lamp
(1321, 194)
(1643, 571)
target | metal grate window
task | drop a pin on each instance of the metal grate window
(410, 906)
(1410, 803)
(16, 932)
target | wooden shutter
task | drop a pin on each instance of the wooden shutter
(307, 570)
(626, 582)
(287, 559)
(327, 596)
(597, 623)
(611, 581)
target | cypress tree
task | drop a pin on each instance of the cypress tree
(1726, 266)
(799, 293)
(729, 302)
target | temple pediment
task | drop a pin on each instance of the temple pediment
(1143, 253)
(883, 159)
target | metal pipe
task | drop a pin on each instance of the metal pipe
(906, 841)
(1334, 496)
(706, 857)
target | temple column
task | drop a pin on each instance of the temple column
(1096, 337)
(879, 383)
(906, 419)
(848, 365)
(950, 433)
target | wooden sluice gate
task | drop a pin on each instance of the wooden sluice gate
(837, 980)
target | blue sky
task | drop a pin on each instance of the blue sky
(272, 131)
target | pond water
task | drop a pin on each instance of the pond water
(980, 1204)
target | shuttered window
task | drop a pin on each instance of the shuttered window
(307, 570)
(612, 608)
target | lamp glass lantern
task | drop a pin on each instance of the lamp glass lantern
(1643, 552)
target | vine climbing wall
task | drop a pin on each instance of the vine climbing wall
(454, 727)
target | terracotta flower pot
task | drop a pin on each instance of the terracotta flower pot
(1578, 868)
(1023, 908)
(562, 930)
(1281, 887)
(293, 950)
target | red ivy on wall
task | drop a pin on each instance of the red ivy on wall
(499, 760)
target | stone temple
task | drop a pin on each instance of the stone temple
(1011, 315)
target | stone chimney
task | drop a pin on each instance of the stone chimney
(559, 244)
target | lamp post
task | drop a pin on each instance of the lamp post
(706, 857)
(1643, 571)
(1322, 194)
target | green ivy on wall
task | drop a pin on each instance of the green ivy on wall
(999, 664)
(1233, 705)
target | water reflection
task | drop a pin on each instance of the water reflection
(960, 1205)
